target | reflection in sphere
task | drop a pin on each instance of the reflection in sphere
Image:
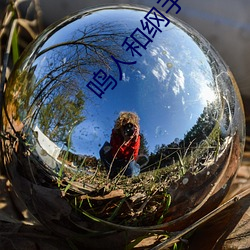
(115, 126)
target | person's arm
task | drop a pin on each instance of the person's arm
(134, 142)
(115, 143)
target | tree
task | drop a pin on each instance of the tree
(144, 146)
(58, 116)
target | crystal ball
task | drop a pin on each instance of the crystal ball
(121, 120)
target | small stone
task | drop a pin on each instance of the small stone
(185, 181)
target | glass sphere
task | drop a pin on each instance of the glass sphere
(121, 120)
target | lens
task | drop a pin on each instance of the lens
(129, 129)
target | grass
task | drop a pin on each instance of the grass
(139, 201)
(140, 195)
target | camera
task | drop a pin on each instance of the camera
(128, 129)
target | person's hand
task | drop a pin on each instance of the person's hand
(134, 136)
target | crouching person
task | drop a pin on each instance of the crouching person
(119, 156)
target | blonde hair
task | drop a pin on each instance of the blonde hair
(126, 117)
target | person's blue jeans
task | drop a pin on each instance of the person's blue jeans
(133, 168)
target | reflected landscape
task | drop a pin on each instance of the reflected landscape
(126, 135)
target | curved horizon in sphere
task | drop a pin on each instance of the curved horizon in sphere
(71, 85)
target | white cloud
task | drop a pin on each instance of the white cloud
(141, 75)
(125, 78)
(206, 93)
(161, 70)
(153, 52)
(183, 101)
(145, 62)
(159, 132)
(179, 82)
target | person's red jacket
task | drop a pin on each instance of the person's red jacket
(126, 151)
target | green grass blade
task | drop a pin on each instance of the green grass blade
(117, 209)
(168, 203)
(70, 184)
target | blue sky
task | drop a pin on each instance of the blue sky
(168, 87)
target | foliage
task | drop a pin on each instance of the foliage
(199, 141)
(61, 114)
(16, 32)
